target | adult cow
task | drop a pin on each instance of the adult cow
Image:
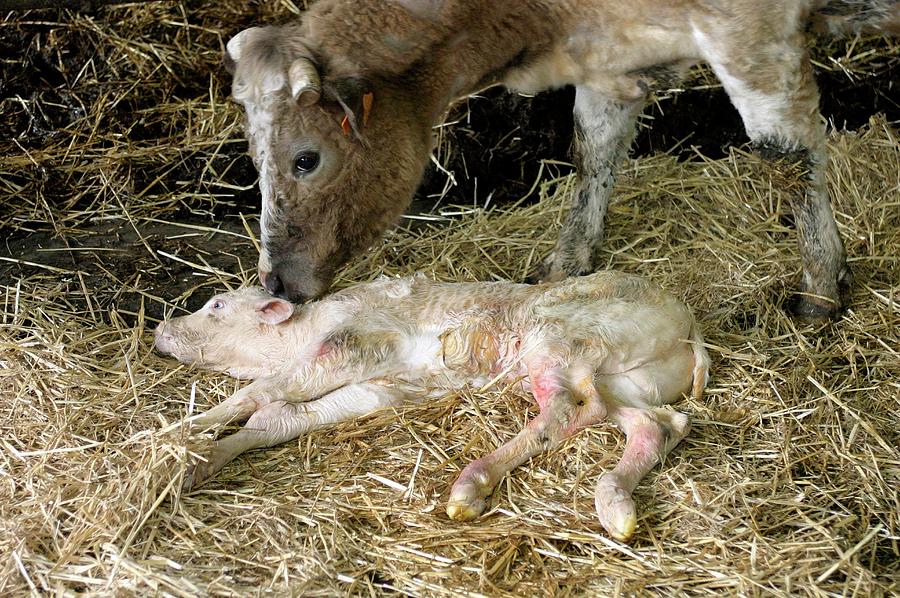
(340, 109)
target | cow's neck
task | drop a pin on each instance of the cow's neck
(440, 50)
(485, 52)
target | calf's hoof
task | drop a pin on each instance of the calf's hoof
(462, 510)
(189, 481)
(467, 495)
(197, 472)
(615, 508)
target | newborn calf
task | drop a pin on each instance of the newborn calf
(605, 346)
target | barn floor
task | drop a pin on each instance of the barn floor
(125, 195)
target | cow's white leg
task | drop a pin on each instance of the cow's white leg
(773, 88)
(651, 434)
(604, 128)
(569, 402)
(282, 420)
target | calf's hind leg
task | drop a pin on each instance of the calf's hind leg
(651, 434)
(568, 401)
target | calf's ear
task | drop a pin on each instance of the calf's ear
(274, 311)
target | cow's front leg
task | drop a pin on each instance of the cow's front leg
(568, 401)
(604, 129)
(773, 88)
(282, 420)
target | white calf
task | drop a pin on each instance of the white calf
(608, 345)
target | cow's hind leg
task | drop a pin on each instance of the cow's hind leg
(651, 434)
(604, 129)
(773, 88)
(568, 401)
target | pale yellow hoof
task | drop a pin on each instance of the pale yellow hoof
(464, 511)
(615, 509)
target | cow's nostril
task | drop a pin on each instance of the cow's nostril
(274, 284)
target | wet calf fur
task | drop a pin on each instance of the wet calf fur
(340, 107)
(608, 346)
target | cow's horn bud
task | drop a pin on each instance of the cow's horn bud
(236, 43)
(304, 81)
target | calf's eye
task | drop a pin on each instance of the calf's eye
(305, 162)
(218, 305)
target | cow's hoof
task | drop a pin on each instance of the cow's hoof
(537, 275)
(552, 270)
(615, 508)
(808, 308)
(467, 495)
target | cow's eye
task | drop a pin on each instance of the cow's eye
(305, 162)
(218, 305)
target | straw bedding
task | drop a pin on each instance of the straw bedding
(787, 483)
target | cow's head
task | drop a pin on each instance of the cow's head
(339, 156)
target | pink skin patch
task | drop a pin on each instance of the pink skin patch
(325, 349)
(543, 386)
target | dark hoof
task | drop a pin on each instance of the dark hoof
(537, 275)
(813, 309)
(547, 271)
(198, 470)
(534, 278)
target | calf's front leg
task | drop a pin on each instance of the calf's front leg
(282, 420)
(604, 128)
(242, 404)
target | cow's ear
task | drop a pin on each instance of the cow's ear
(354, 100)
(274, 311)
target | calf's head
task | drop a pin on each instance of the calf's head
(339, 155)
(237, 332)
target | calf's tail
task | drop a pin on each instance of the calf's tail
(838, 18)
(701, 362)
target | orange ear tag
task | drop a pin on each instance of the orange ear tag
(367, 99)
